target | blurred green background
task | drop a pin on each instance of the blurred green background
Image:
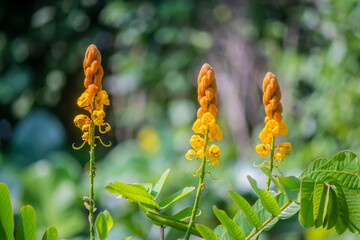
(152, 52)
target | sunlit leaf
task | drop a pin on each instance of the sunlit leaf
(206, 232)
(313, 166)
(331, 209)
(317, 199)
(26, 229)
(290, 186)
(159, 185)
(50, 234)
(160, 219)
(268, 201)
(306, 203)
(103, 224)
(343, 218)
(246, 208)
(185, 214)
(353, 202)
(133, 193)
(6, 214)
(175, 196)
(232, 228)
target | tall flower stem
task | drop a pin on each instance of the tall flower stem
(200, 186)
(91, 177)
(271, 162)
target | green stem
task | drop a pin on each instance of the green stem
(91, 177)
(200, 186)
(267, 221)
(271, 162)
(161, 228)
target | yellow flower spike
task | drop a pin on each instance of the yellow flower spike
(274, 125)
(263, 149)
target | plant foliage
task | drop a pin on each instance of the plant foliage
(26, 228)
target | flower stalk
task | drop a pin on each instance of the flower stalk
(92, 100)
(271, 164)
(206, 130)
(91, 179)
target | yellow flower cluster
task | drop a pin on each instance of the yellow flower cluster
(205, 128)
(94, 98)
(200, 127)
(274, 123)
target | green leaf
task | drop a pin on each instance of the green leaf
(221, 232)
(233, 229)
(353, 202)
(175, 196)
(103, 224)
(331, 209)
(306, 203)
(267, 201)
(290, 211)
(290, 186)
(101, 227)
(343, 218)
(159, 185)
(242, 221)
(148, 186)
(317, 199)
(345, 161)
(347, 179)
(133, 192)
(6, 214)
(206, 233)
(313, 166)
(246, 208)
(26, 229)
(320, 215)
(50, 234)
(127, 238)
(185, 214)
(160, 219)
